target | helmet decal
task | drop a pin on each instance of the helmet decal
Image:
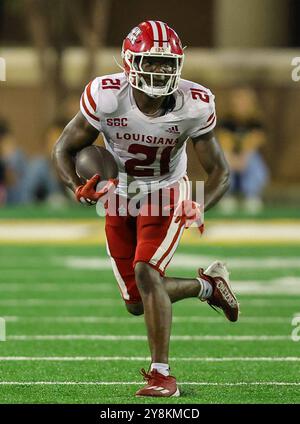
(133, 35)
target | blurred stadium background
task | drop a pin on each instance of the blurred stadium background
(55, 281)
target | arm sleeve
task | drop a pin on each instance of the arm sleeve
(205, 118)
(89, 104)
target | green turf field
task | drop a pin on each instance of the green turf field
(69, 338)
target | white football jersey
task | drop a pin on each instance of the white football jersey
(148, 150)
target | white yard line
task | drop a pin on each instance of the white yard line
(140, 320)
(50, 231)
(235, 231)
(57, 287)
(142, 358)
(112, 337)
(60, 302)
(286, 285)
(117, 302)
(180, 260)
(126, 383)
(236, 262)
(187, 261)
(272, 303)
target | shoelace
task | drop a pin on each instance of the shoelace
(146, 375)
(150, 377)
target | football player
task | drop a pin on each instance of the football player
(146, 114)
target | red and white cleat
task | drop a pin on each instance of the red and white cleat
(222, 296)
(158, 385)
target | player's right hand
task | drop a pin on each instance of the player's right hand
(188, 213)
(87, 194)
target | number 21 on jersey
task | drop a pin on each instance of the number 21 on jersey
(142, 167)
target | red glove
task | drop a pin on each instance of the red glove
(87, 194)
(189, 212)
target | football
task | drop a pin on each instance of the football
(96, 160)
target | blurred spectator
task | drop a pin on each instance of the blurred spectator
(242, 134)
(2, 182)
(41, 182)
(13, 166)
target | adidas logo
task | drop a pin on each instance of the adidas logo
(158, 389)
(173, 130)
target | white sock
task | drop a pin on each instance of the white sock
(205, 289)
(161, 368)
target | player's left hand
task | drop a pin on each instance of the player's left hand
(189, 212)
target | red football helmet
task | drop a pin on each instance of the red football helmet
(153, 39)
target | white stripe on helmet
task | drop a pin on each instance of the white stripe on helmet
(164, 33)
(155, 33)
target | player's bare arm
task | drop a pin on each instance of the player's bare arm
(76, 135)
(212, 159)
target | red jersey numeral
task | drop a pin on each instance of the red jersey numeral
(131, 164)
(200, 94)
(151, 154)
(109, 83)
(165, 160)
